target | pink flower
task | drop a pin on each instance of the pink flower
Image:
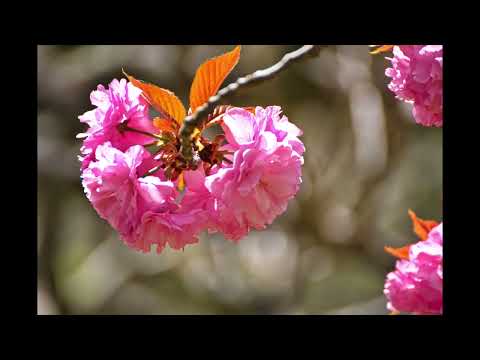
(121, 103)
(416, 285)
(279, 125)
(176, 224)
(243, 128)
(197, 196)
(113, 185)
(143, 209)
(170, 226)
(417, 78)
(265, 173)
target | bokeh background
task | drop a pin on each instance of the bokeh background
(366, 164)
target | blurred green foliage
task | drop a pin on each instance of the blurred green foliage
(366, 163)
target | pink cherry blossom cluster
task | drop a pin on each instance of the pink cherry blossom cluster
(417, 77)
(249, 190)
(416, 286)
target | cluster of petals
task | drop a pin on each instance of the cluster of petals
(417, 77)
(143, 209)
(121, 103)
(265, 172)
(147, 210)
(416, 284)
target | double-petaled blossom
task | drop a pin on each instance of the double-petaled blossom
(416, 77)
(247, 188)
(265, 172)
(416, 285)
(176, 223)
(170, 226)
(121, 103)
(116, 189)
(142, 209)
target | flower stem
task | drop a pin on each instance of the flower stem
(124, 127)
(152, 171)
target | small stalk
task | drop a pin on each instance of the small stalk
(152, 171)
(124, 127)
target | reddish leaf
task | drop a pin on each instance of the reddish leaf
(401, 253)
(382, 48)
(210, 75)
(181, 182)
(217, 115)
(166, 125)
(421, 227)
(163, 100)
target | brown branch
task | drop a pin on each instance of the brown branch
(195, 120)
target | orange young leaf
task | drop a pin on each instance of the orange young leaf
(217, 115)
(166, 125)
(382, 48)
(401, 253)
(421, 227)
(163, 100)
(210, 75)
(181, 182)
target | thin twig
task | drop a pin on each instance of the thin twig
(152, 171)
(195, 120)
(122, 127)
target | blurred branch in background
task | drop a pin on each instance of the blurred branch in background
(366, 163)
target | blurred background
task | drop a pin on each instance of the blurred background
(366, 164)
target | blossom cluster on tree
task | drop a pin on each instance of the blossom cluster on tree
(138, 180)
